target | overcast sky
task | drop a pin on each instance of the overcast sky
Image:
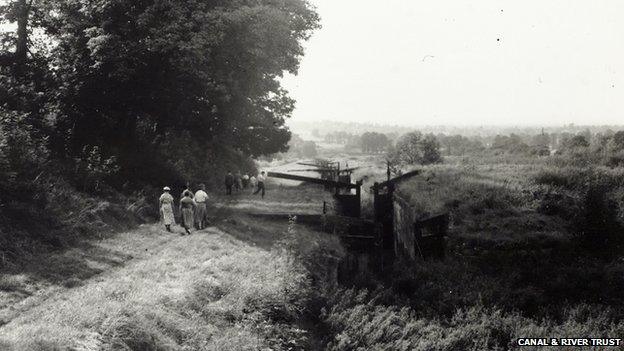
(503, 62)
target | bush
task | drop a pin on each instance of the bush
(598, 224)
(588, 197)
(91, 168)
(615, 159)
(22, 155)
(556, 177)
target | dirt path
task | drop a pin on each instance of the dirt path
(91, 297)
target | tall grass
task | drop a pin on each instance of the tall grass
(361, 322)
(204, 292)
(516, 265)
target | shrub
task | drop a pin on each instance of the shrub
(555, 177)
(22, 155)
(615, 159)
(91, 168)
(598, 223)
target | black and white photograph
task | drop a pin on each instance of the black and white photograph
(285, 175)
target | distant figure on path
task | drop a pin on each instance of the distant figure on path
(185, 188)
(165, 203)
(253, 182)
(261, 180)
(201, 197)
(229, 182)
(187, 207)
(245, 181)
(239, 181)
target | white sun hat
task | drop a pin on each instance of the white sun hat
(167, 188)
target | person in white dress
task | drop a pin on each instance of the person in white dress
(253, 182)
(165, 204)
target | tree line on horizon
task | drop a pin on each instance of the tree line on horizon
(423, 148)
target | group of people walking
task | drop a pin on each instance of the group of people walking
(239, 182)
(192, 206)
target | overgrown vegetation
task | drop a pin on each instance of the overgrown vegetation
(534, 250)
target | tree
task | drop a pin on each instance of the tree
(618, 140)
(430, 150)
(541, 140)
(374, 142)
(577, 141)
(510, 144)
(460, 145)
(414, 148)
(17, 12)
(138, 78)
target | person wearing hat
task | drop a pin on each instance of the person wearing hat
(166, 208)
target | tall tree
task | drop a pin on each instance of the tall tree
(134, 76)
(414, 148)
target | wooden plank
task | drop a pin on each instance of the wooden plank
(309, 164)
(320, 170)
(400, 178)
(313, 180)
(324, 170)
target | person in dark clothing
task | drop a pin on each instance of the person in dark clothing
(187, 209)
(184, 190)
(238, 181)
(229, 183)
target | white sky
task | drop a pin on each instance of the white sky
(439, 62)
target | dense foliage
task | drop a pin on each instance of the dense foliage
(152, 90)
(415, 148)
(373, 142)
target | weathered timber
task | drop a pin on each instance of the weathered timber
(400, 178)
(349, 205)
(429, 234)
(329, 182)
(322, 170)
(324, 164)
(403, 232)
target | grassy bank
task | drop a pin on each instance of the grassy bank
(250, 285)
(524, 259)
(207, 291)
